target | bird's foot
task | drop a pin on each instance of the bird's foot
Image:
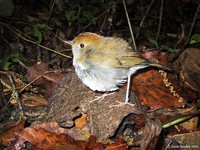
(120, 104)
(126, 100)
(100, 98)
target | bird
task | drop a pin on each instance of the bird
(106, 63)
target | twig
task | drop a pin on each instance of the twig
(160, 20)
(39, 76)
(176, 121)
(110, 19)
(193, 22)
(142, 21)
(181, 40)
(30, 41)
(120, 146)
(3, 72)
(104, 21)
(5, 84)
(15, 95)
(129, 24)
(50, 12)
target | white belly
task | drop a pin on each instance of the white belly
(102, 79)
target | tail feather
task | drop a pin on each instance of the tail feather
(161, 66)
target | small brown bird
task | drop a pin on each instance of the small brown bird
(105, 63)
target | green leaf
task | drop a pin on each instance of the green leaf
(195, 39)
(169, 50)
(10, 60)
(155, 43)
(6, 65)
(43, 26)
(37, 31)
(37, 34)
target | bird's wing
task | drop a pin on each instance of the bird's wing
(115, 53)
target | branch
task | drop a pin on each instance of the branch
(129, 24)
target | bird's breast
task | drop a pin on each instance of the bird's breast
(81, 63)
(100, 78)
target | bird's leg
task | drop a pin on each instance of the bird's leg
(127, 95)
(128, 89)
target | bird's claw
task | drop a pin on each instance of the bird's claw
(120, 104)
(100, 98)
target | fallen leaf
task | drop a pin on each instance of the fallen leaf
(42, 138)
(152, 92)
(7, 135)
(75, 133)
(31, 100)
(190, 68)
(39, 75)
(79, 122)
(119, 144)
(189, 139)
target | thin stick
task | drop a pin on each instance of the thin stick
(160, 20)
(129, 24)
(193, 22)
(30, 41)
(50, 12)
(39, 76)
(15, 95)
(176, 121)
(142, 21)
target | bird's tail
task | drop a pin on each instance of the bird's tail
(161, 67)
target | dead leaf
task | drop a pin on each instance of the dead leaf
(152, 92)
(40, 72)
(156, 56)
(190, 68)
(75, 133)
(7, 135)
(81, 121)
(119, 144)
(190, 139)
(39, 75)
(150, 133)
(42, 138)
(35, 71)
(31, 100)
(93, 144)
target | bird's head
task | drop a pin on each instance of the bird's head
(84, 43)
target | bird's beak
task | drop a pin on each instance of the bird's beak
(69, 42)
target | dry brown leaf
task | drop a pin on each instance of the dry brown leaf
(42, 138)
(190, 68)
(75, 133)
(149, 85)
(192, 140)
(119, 144)
(152, 92)
(81, 121)
(32, 100)
(39, 75)
(8, 135)
(40, 71)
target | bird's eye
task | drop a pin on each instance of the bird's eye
(82, 45)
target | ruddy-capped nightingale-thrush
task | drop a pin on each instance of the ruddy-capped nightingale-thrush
(105, 63)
